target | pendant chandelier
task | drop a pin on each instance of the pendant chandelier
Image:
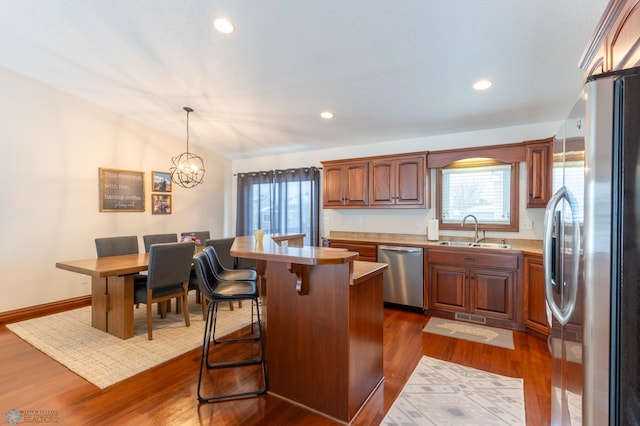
(187, 169)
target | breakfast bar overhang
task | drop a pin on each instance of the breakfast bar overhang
(324, 324)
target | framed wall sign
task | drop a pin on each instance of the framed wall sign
(121, 190)
(161, 181)
(160, 204)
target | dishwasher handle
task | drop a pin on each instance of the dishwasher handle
(397, 249)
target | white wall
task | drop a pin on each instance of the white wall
(409, 221)
(51, 146)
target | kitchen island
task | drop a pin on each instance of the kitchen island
(323, 325)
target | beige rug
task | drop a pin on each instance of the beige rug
(473, 332)
(443, 393)
(103, 359)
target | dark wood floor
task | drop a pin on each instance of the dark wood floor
(166, 395)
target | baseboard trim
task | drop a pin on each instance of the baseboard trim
(44, 309)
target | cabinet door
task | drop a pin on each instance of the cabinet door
(333, 182)
(534, 311)
(538, 174)
(345, 184)
(449, 289)
(492, 293)
(357, 180)
(398, 181)
(383, 182)
(410, 181)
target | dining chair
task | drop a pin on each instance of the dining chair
(158, 238)
(117, 246)
(218, 291)
(150, 239)
(198, 236)
(168, 277)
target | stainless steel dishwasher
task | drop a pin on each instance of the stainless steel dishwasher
(404, 279)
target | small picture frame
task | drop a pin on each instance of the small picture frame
(161, 182)
(160, 204)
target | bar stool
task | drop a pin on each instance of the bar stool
(221, 273)
(222, 292)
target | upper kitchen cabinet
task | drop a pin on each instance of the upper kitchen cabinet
(615, 44)
(392, 181)
(539, 166)
(345, 184)
(397, 182)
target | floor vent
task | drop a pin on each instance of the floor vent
(472, 318)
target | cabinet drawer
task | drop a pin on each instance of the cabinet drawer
(474, 257)
(368, 252)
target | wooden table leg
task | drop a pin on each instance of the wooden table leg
(120, 314)
(99, 303)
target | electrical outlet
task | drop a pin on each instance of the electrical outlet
(84, 279)
(419, 223)
(526, 224)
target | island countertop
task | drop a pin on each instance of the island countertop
(267, 249)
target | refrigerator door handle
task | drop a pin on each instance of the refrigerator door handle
(561, 314)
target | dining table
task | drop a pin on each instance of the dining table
(111, 289)
(112, 280)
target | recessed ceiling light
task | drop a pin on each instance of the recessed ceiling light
(326, 115)
(482, 84)
(223, 25)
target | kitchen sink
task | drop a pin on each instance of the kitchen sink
(470, 244)
(455, 243)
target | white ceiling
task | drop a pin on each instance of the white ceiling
(387, 69)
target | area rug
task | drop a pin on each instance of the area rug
(442, 393)
(473, 332)
(103, 359)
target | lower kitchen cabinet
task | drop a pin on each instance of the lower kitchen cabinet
(480, 284)
(534, 313)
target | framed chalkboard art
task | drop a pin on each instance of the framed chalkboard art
(121, 190)
(161, 182)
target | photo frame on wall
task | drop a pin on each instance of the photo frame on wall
(121, 190)
(161, 204)
(160, 182)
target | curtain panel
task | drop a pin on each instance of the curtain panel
(280, 202)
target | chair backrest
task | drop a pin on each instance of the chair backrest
(214, 289)
(206, 280)
(223, 249)
(170, 264)
(116, 246)
(214, 262)
(157, 239)
(202, 236)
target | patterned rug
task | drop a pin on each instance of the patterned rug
(442, 393)
(103, 359)
(473, 332)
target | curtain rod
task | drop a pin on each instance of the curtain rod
(266, 171)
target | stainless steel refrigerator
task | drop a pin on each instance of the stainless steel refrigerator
(591, 256)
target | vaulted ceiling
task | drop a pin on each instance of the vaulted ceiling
(387, 69)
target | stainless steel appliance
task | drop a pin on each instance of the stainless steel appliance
(404, 279)
(592, 259)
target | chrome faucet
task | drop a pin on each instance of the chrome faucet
(475, 222)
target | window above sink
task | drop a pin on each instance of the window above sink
(483, 187)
